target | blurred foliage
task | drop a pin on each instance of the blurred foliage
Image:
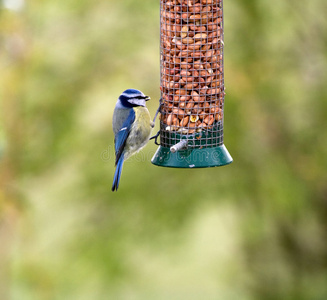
(256, 229)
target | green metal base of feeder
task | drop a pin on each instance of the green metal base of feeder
(192, 158)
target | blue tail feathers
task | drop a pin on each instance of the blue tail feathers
(119, 168)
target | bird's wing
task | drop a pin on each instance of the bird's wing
(122, 134)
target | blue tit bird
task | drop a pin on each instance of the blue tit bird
(132, 128)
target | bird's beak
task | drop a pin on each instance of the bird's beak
(147, 98)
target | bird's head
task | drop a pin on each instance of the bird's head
(132, 98)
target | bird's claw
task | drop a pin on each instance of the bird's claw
(155, 137)
(158, 110)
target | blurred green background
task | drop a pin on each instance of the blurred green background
(256, 229)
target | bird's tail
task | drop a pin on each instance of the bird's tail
(119, 168)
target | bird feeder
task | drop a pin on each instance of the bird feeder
(192, 85)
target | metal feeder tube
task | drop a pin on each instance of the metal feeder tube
(192, 85)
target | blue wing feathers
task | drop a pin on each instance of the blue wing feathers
(122, 135)
(120, 141)
(117, 175)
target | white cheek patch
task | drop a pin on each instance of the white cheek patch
(140, 102)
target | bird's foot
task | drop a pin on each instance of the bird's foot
(155, 137)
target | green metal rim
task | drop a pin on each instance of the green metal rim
(192, 158)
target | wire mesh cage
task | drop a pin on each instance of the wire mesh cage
(192, 84)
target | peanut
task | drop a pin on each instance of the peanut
(178, 112)
(184, 121)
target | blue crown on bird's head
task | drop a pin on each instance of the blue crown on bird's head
(132, 98)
